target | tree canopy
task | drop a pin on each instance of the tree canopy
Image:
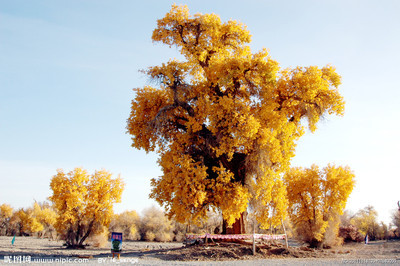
(224, 120)
(6, 212)
(366, 222)
(84, 203)
(316, 199)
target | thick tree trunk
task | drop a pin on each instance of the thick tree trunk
(238, 167)
(87, 233)
(238, 226)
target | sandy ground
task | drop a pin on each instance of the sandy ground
(30, 250)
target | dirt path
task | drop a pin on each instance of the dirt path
(42, 251)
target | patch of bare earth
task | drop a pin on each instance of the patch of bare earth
(241, 251)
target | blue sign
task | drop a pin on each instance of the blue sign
(116, 242)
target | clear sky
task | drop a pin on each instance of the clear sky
(67, 69)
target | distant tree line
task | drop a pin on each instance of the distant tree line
(153, 225)
(80, 212)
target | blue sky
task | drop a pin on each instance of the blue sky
(67, 69)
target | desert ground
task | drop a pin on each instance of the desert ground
(31, 250)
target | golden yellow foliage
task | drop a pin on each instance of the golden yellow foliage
(225, 121)
(36, 220)
(84, 203)
(6, 212)
(46, 216)
(316, 198)
(126, 223)
(28, 222)
(366, 221)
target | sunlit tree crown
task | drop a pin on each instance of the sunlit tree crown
(224, 120)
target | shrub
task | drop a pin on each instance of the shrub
(155, 226)
(350, 233)
(127, 223)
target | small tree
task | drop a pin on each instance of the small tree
(347, 231)
(126, 223)
(25, 223)
(383, 232)
(46, 216)
(6, 212)
(366, 222)
(316, 199)
(84, 203)
(14, 226)
(396, 220)
(155, 225)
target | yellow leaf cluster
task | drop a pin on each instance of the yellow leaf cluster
(6, 211)
(45, 215)
(183, 185)
(29, 223)
(225, 121)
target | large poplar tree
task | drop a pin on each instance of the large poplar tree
(225, 121)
